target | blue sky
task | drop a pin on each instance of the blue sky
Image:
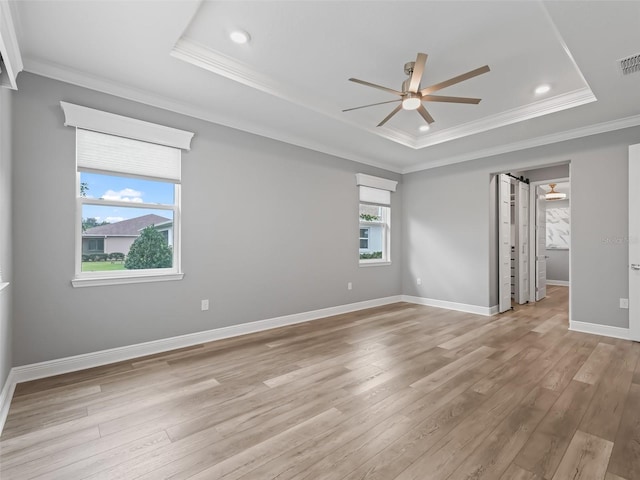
(132, 190)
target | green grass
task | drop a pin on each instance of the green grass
(102, 266)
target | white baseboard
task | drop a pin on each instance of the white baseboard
(461, 307)
(75, 363)
(559, 283)
(5, 398)
(104, 357)
(596, 329)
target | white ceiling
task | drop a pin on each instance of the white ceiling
(290, 81)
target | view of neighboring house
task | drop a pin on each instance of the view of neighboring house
(370, 237)
(372, 230)
(119, 236)
(166, 229)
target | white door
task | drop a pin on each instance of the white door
(634, 241)
(541, 244)
(522, 241)
(504, 241)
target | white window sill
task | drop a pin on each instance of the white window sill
(3, 285)
(101, 281)
(375, 264)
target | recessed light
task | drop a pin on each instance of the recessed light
(424, 128)
(239, 36)
(542, 89)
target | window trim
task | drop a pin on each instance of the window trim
(377, 191)
(386, 240)
(112, 124)
(89, 279)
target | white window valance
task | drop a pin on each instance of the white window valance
(118, 125)
(375, 189)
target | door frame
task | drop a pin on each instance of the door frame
(633, 239)
(532, 234)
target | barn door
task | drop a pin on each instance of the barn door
(541, 244)
(504, 241)
(522, 241)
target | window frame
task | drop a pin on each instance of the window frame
(129, 128)
(376, 191)
(127, 276)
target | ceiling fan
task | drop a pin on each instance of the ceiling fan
(412, 96)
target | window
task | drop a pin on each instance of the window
(128, 199)
(93, 245)
(364, 238)
(374, 223)
(375, 219)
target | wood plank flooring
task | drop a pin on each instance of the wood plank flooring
(400, 392)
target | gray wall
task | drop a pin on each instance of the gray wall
(6, 318)
(558, 264)
(547, 173)
(269, 229)
(305, 206)
(446, 233)
(449, 218)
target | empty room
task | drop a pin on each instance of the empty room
(315, 240)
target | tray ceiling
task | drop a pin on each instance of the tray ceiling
(290, 81)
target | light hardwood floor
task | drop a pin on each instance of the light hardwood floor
(397, 392)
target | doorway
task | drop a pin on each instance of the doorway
(542, 254)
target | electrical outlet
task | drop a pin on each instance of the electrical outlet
(204, 305)
(349, 286)
(624, 303)
(419, 281)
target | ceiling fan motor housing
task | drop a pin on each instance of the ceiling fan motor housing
(405, 85)
(408, 68)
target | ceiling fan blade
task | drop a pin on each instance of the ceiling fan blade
(454, 80)
(379, 87)
(423, 111)
(371, 105)
(386, 119)
(418, 69)
(442, 98)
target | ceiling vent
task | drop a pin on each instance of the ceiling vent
(630, 64)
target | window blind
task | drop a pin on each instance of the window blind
(375, 195)
(112, 154)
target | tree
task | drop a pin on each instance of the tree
(149, 250)
(92, 222)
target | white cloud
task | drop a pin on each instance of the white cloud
(124, 195)
(113, 219)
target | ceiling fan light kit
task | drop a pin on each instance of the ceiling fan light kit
(411, 101)
(553, 195)
(412, 95)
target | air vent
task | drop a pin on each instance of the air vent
(630, 64)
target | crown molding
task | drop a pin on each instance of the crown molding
(555, 104)
(74, 77)
(199, 55)
(9, 48)
(580, 132)
(81, 79)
